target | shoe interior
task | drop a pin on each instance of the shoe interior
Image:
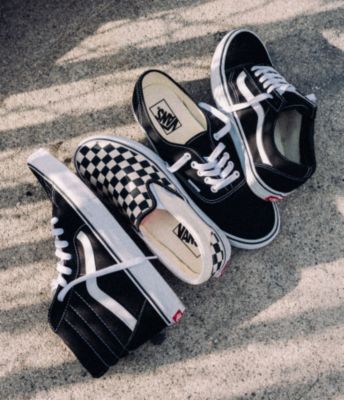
(287, 135)
(178, 237)
(164, 232)
(174, 114)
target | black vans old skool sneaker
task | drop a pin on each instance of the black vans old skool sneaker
(275, 121)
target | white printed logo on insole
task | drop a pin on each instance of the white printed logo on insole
(165, 116)
(186, 238)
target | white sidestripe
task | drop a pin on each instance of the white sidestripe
(245, 91)
(94, 290)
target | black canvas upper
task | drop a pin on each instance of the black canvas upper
(95, 335)
(244, 52)
(235, 209)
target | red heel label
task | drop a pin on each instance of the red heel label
(273, 198)
(177, 316)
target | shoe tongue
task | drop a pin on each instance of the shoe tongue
(68, 218)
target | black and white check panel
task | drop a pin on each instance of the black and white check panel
(121, 174)
(217, 252)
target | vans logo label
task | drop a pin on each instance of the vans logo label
(165, 116)
(185, 236)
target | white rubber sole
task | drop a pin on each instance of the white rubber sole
(235, 241)
(108, 231)
(223, 101)
(161, 165)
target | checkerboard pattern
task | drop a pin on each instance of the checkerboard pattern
(217, 252)
(121, 174)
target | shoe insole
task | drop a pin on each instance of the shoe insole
(170, 114)
(168, 236)
(287, 134)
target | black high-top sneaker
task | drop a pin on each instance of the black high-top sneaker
(275, 121)
(196, 144)
(136, 181)
(109, 298)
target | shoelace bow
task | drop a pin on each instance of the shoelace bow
(218, 171)
(64, 270)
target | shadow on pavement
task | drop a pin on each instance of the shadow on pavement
(243, 291)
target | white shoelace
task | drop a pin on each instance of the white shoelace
(218, 171)
(59, 253)
(63, 270)
(271, 80)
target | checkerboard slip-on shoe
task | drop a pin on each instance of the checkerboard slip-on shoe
(109, 298)
(132, 178)
(195, 143)
(275, 121)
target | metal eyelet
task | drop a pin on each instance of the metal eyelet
(214, 190)
(193, 164)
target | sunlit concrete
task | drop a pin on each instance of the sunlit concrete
(273, 326)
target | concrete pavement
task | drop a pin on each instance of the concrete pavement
(273, 326)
